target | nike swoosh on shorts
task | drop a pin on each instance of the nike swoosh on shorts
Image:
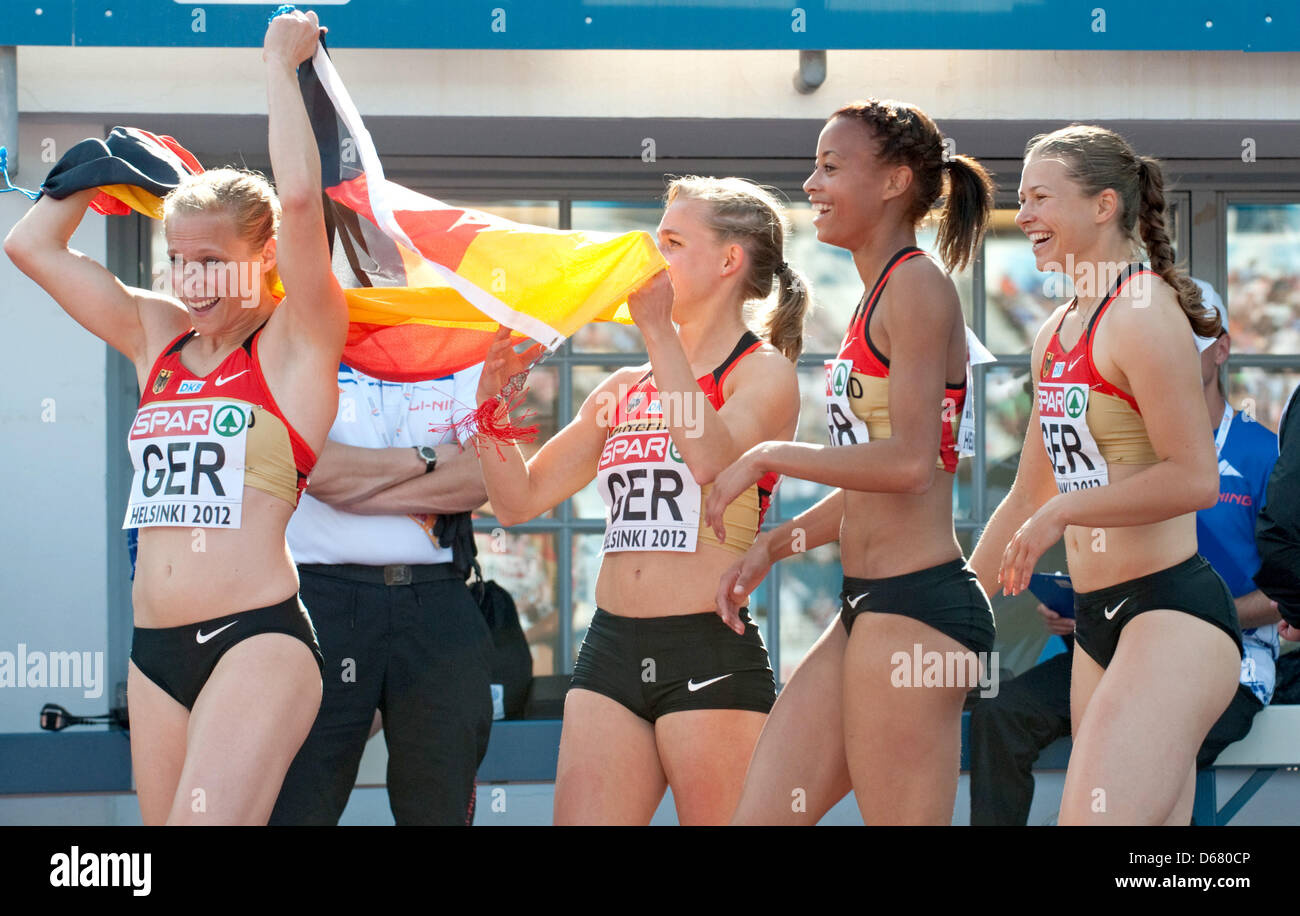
(692, 686)
(201, 639)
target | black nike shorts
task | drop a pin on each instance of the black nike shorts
(181, 659)
(948, 597)
(1192, 587)
(658, 665)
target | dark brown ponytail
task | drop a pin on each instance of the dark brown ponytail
(966, 212)
(907, 136)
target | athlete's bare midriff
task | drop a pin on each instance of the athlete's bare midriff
(185, 575)
(890, 534)
(1100, 557)
(656, 584)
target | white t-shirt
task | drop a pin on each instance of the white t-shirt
(378, 414)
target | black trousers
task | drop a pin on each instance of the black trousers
(1008, 731)
(419, 653)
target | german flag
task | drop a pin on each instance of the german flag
(428, 283)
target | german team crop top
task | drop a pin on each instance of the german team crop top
(1087, 423)
(652, 500)
(857, 382)
(196, 442)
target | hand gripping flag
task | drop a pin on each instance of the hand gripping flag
(133, 169)
(428, 283)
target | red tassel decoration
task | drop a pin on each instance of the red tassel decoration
(491, 421)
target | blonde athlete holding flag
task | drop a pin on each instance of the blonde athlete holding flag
(224, 680)
(663, 693)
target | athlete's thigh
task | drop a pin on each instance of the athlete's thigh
(705, 753)
(158, 724)
(1085, 675)
(608, 770)
(1171, 677)
(1181, 815)
(902, 734)
(246, 726)
(798, 771)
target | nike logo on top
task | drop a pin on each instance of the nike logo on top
(1070, 368)
(692, 686)
(1111, 612)
(201, 638)
(221, 381)
(853, 602)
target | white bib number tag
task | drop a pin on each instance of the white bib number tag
(842, 425)
(976, 354)
(1063, 417)
(652, 500)
(189, 465)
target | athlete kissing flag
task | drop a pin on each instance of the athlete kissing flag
(428, 283)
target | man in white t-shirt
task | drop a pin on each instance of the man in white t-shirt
(399, 628)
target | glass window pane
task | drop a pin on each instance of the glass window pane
(613, 216)
(545, 213)
(1018, 296)
(810, 600)
(525, 566)
(542, 397)
(586, 567)
(1008, 401)
(1263, 290)
(1262, 393)
(587, 502)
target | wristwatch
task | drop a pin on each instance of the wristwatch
(429, 455)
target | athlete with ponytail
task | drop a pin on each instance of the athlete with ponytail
(895, 399)
(663, 693)
(238, 395)
(1116, 460)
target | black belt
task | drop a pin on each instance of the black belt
(398, 574)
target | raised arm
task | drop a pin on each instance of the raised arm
(313, 310)
(763, 404)
(117, 314)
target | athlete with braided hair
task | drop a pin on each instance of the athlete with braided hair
(1122, 467)
(895, 398)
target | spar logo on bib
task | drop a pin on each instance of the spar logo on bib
(229, 421)
(1075, 401)
(674, 454)
(840, 379)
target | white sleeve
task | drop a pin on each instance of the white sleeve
(466, 388)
